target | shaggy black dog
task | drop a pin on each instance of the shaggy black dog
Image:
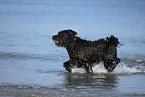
(84, 53)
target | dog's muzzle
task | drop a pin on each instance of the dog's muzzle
(57, 42)
(54, 38)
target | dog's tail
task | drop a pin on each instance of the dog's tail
(113, 40)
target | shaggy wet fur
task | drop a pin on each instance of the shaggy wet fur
(84, 53)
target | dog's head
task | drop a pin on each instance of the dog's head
(64, 38)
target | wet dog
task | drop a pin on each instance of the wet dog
(84, 53)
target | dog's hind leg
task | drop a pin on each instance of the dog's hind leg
(110, 65)
(118, 61)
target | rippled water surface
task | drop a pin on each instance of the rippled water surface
(31, 64)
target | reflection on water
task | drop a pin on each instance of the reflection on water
(89, 81)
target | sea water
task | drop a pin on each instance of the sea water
(31, 64)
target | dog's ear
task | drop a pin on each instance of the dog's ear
(71, 32)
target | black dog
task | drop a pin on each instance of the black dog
(84, 53)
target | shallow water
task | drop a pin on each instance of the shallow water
(31, 64)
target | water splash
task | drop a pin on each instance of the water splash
(121, 68)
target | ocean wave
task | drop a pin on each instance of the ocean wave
(5, 55)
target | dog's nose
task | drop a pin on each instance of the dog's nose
(54, 37)
(56, 42)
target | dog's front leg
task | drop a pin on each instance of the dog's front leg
(67, 66)
(88, 67)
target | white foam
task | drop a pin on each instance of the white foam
(78, 70)
(139, 61)
(100, 69)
